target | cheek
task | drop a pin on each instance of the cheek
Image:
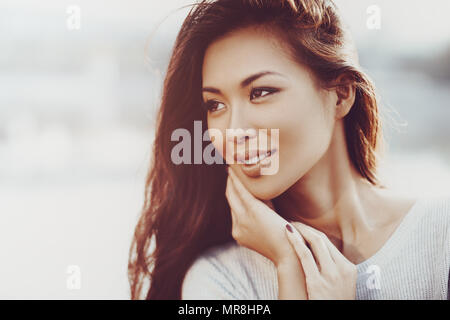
(219, 142)
(305, 134)
(217, 135)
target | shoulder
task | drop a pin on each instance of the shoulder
(213, 275)
(436, 210)
(433, 219)
(228, 271)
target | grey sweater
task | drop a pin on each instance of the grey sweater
(414, 263)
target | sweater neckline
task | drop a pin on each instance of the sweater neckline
(396, 237)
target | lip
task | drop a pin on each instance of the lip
(254, 170)
(249, 154)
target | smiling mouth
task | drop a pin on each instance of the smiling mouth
(253, 157)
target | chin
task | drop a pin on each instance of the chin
(264, 190)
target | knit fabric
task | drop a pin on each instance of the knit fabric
(414, 263)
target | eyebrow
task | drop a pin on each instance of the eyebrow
(244, 82)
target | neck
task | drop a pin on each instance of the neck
(333, 198)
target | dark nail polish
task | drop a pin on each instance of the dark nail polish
(288, 226)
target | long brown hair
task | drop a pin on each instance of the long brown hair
(185, 210)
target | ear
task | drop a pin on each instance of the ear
(346, 94)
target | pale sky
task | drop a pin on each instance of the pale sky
(408, 23)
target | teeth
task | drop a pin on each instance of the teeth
(256, 159)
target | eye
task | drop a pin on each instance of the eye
(211, 105)
(258, 92)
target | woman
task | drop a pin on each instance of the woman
(321, 226)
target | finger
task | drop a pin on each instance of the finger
(247, 198)
(304, 254)
(337, 256)
(319, 248)
(233, 219)
(269, 203)
(234, 201)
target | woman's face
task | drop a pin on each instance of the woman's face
(286, 99)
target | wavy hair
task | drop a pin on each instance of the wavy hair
(185, 210)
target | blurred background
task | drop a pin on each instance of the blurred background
(79, 89)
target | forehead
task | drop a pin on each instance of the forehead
(244, 52)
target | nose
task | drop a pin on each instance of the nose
(240, 136)
(237, 132)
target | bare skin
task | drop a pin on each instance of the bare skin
(316, 184)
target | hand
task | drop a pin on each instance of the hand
(255, 224)
(333, 276)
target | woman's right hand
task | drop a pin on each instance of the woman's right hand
(255, 224)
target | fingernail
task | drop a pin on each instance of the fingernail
(289, 228)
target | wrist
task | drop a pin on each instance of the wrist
(291, 279)
(287, 262)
